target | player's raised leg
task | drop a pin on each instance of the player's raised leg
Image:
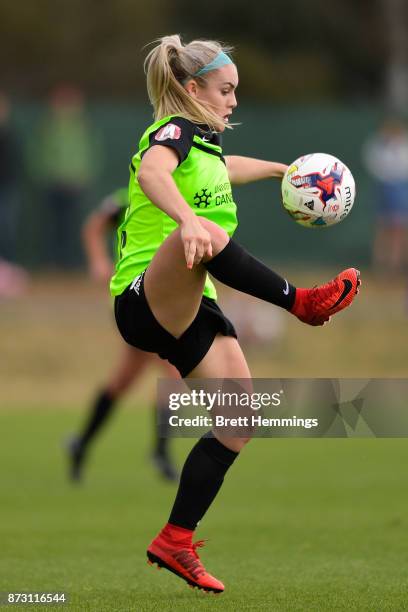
(173, 290)
(238, 269)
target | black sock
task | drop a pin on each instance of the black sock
(161, 429)
(100, 411)
(202, 476)
(238, 269)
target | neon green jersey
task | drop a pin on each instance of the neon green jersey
(202, 180)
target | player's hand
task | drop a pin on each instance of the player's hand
(196, 241)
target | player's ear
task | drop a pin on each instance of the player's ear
(191, 88)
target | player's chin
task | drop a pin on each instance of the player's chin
(225, 121)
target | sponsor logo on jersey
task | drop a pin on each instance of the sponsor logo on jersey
(171, 131)
(223, 194)
(202, 198)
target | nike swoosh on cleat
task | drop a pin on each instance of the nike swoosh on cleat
(348, 285)
(286, 290)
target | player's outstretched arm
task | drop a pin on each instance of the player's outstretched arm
(247, 169)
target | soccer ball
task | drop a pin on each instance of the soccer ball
(318, 190)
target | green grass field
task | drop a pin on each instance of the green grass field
(299, 525)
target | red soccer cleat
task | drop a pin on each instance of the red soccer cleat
(315, 306)
(178, 555)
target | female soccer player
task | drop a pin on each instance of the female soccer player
(178, 228)
(132, 362)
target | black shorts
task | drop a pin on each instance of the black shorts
(139, 328)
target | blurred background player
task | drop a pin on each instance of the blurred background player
(64, 157)
(386, 157)
(132, 361)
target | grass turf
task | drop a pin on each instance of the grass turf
(300, 525)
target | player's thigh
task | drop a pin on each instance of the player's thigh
(172, 290)
(226, 360)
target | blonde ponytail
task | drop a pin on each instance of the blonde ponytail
(168, 65)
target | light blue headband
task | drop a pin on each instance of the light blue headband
(222, 59)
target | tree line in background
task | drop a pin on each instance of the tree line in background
(286, 51)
